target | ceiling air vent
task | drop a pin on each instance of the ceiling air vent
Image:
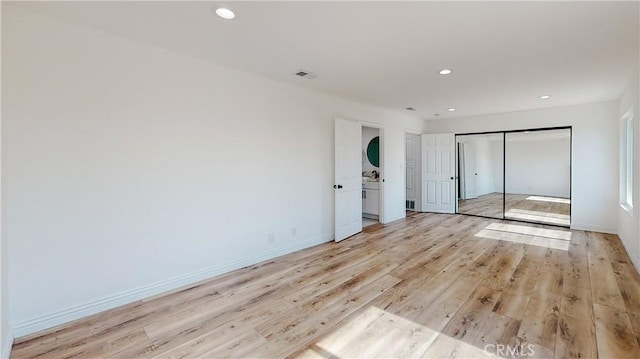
(306, 74)
(410, 109)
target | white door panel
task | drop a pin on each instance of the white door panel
(445, 189)
(471, 187)
(431, 161)
(467, 171)
(348, 179)
(431, 192)
(438, 173)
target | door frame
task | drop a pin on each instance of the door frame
(381, 179)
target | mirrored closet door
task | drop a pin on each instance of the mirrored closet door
(538, 176)
(517, 175)
(480, 174)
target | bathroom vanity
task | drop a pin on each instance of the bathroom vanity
(371, 199)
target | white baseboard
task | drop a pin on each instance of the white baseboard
(592, 228)
(634, 260)
(95, 306)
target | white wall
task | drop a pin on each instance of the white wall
(628, 223)
(538, 167)
(526, 161)
(595, 153)
(368, 134)
(497, 166)
(129, 169)
(487, 149)
(484, 166)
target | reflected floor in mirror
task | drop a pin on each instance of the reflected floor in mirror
(488, 205)
(541, 209)
(532, 208)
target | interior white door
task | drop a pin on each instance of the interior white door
(348, 178)
(461, 175)
(470, 171)
(438, 173)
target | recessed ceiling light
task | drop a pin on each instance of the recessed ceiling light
(451, 109)
(544, 97)
(445, 71)
(225, 13)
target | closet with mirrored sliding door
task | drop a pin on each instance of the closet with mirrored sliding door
(520, 175)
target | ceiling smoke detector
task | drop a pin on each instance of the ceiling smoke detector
(306, 74)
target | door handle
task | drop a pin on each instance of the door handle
(337, 186)
(451, 177)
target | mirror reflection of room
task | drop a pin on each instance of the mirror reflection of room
(538, 176)
(480, 174)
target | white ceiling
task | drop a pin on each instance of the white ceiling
(388, 54)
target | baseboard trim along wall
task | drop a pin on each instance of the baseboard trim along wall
(583, 227)
(634, 259)
(96, 306)
(592, 228)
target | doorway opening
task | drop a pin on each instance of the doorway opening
(371, 176)
(413, 168)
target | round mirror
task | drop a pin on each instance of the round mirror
(373, 151)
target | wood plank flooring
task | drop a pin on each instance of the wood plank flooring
(531, 208)
(488, 205)
(431, 285)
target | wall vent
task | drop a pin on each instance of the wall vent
(306, 74)
(411, 204)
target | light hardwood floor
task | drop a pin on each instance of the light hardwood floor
(430, 285)
(489, 205)
(540, 209)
